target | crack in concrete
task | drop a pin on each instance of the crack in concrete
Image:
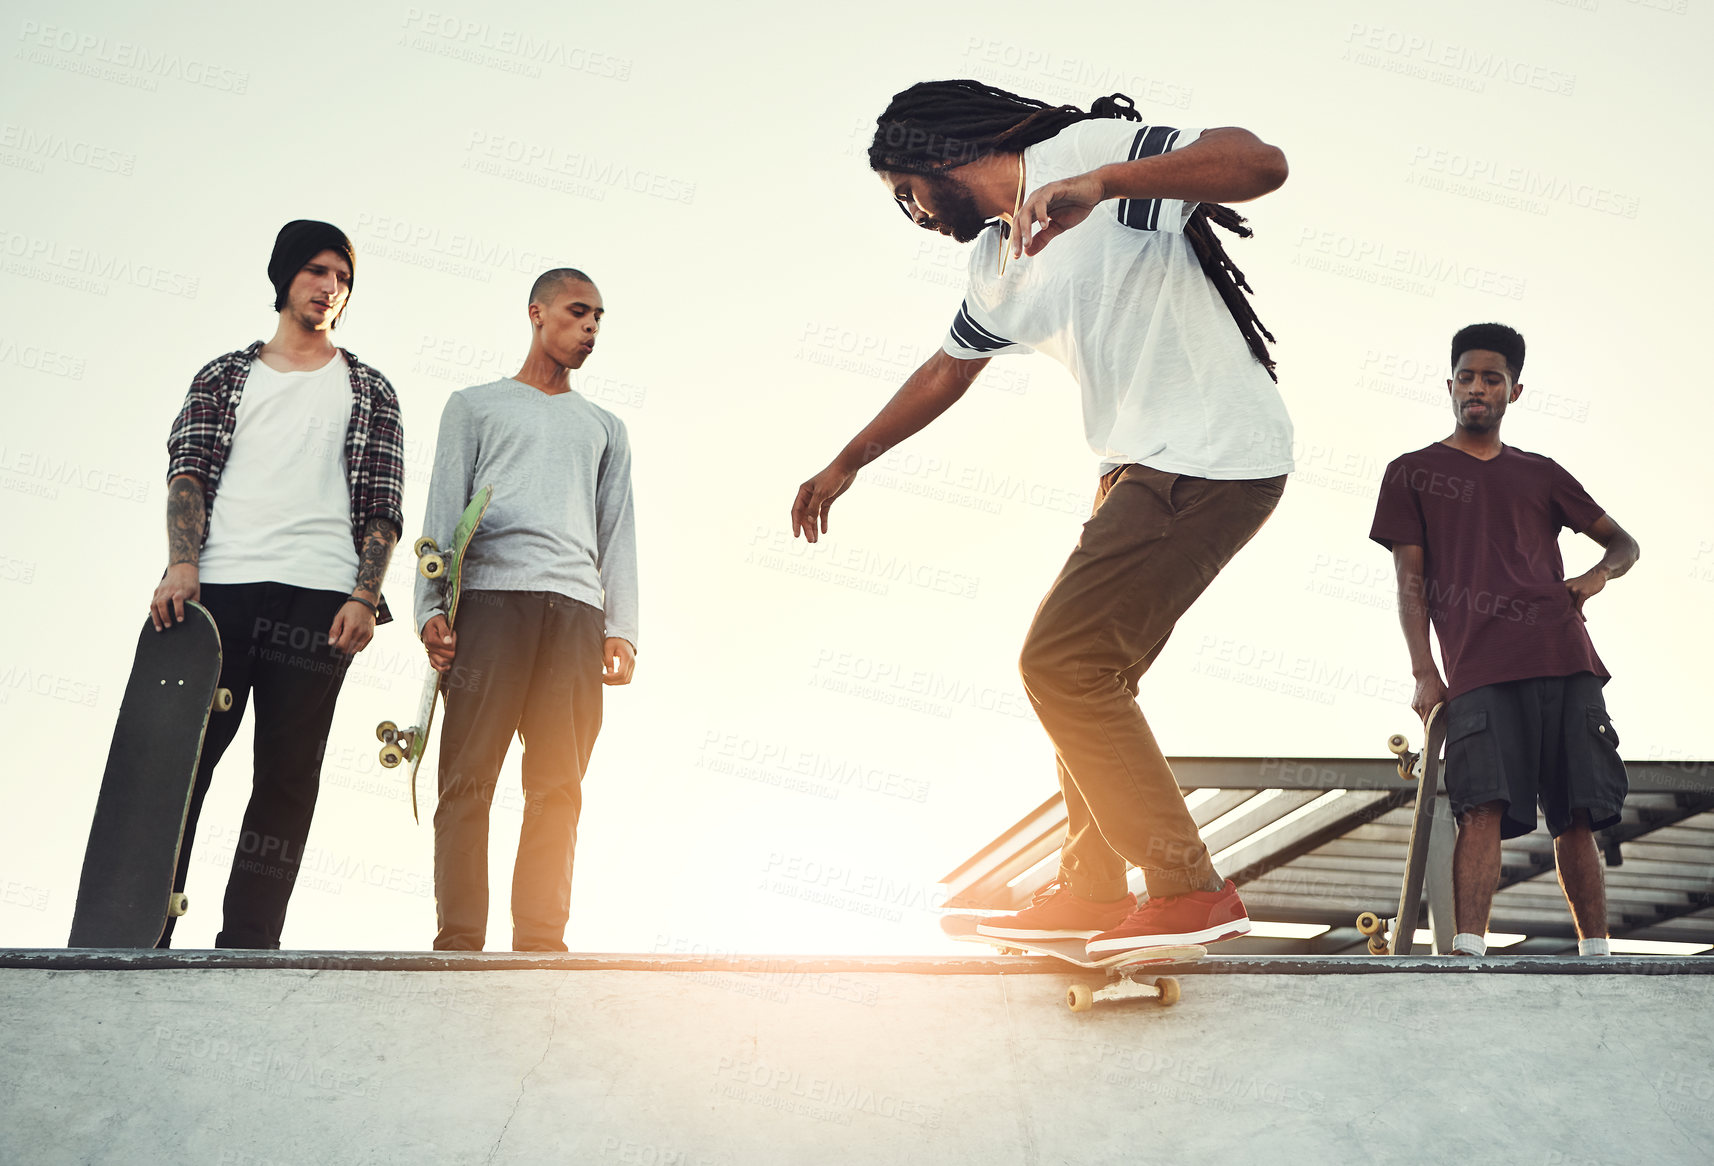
(523, 1085)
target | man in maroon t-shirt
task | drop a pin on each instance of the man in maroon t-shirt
(1474, 529)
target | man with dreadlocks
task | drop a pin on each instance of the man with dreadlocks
(1140, 302)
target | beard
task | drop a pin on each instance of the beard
(1482, 424)
(958, 206)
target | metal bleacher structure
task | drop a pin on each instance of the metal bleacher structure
(1318, 841)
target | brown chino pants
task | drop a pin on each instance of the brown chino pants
(1153, 544)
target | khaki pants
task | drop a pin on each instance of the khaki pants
(1153, 544)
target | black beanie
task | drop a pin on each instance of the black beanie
(298, 242)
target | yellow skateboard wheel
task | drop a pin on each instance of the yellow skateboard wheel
(1369, 923)
(423, 546)
(222, 700)
(431, 566)
(1079, 998)
(177, 903)
(385, 732)
(391, 756)
(1168, 988)
(1397, 744)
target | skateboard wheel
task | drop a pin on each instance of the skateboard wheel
(431, 566)
(222, 700)
(1079, 998)
(1168, 988)
(391, 756)
(423, 546)
(1377, 945)
(1369, 923)
(178, 903)
(1013, 951)
(1397, 744)
(385, 732)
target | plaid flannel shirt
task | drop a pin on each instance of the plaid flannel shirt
(374, 440)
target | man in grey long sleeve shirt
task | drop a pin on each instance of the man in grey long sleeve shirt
(548, 614)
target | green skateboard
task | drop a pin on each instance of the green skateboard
(446, 568)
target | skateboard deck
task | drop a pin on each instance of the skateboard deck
(125, 893)
(447, 568)
(1134, 966)
(1395, 936)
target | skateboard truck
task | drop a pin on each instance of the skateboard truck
(395, 743)
(430, 564)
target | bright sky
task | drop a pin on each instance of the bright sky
(814, 738)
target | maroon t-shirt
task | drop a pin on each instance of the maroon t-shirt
(1492, 575)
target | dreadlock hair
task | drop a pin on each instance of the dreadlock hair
(935, 126)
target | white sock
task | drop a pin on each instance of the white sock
(1472, 944)
(1593, 946)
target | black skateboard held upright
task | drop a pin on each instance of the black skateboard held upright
(126, 891)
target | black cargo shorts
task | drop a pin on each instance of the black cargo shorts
(1545, 740)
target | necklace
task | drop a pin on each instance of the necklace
(1017, 208)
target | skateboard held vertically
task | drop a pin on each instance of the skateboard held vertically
(125, 893)
(1135, 966)
(446, 568)
(1396, 935)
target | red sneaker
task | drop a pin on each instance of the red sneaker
(1199, 917)
(1056, 913)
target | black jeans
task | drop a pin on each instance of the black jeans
(528, 662)
(273, 642)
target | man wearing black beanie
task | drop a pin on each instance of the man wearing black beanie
(301, 442)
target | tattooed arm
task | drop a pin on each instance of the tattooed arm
(186, 516)
(354, 626)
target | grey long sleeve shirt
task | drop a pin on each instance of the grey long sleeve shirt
(560, 519)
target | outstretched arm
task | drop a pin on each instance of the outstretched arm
(1413, 618)
(927, 393)
(1621, 551)
(1222, 165)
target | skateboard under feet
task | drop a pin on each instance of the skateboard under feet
(1138, 967)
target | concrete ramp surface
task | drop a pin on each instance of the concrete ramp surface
(288, 1059)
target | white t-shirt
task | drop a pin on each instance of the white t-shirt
(282, 511)
(1121, 300)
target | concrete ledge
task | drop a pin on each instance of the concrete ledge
(123, 960)
(243, 1059)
